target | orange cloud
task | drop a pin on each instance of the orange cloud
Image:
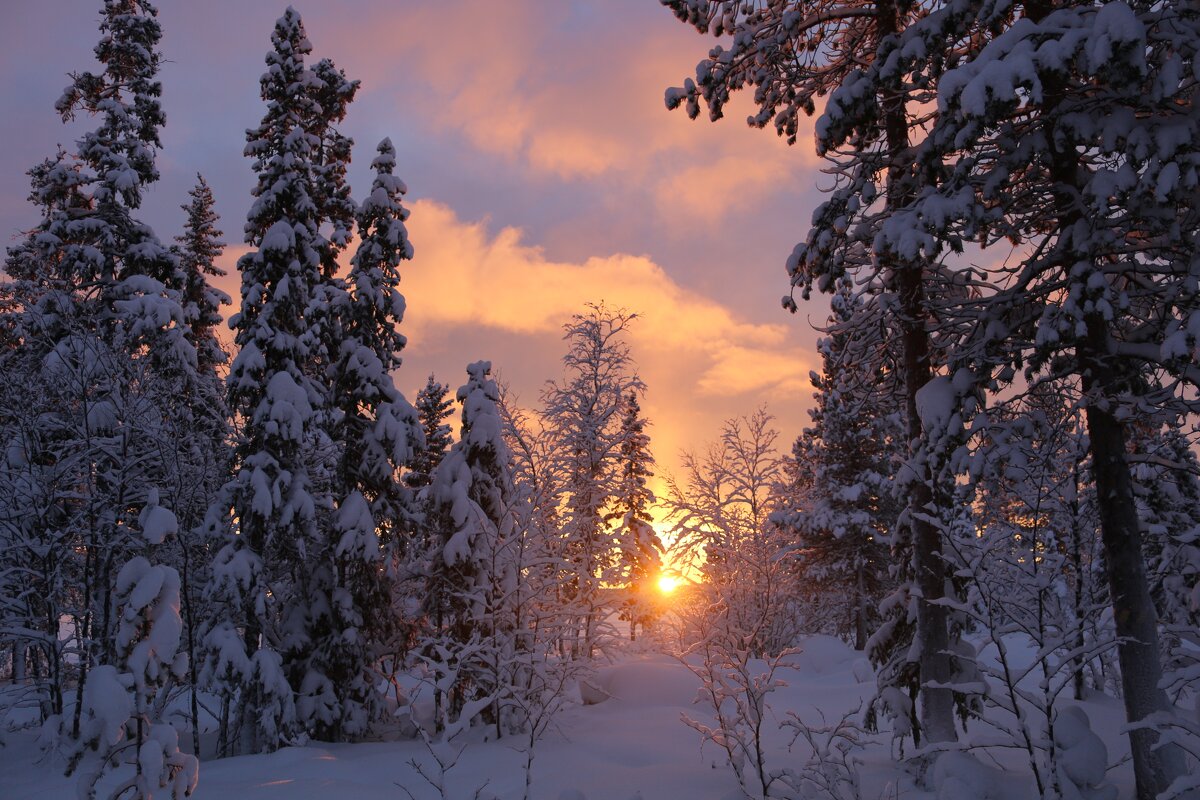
(473, 293)
(465, 276)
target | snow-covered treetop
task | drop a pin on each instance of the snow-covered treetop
(281, 145)
(433, 405)
(374, 269)
(199, 247)
(481, 427)
(473, 482)
(122, 150)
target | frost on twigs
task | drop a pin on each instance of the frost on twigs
(831, 770)
(735, 687)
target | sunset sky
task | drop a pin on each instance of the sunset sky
(544, 172)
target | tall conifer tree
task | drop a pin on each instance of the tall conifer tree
(377, 431)
(640, 549)
(275, 386)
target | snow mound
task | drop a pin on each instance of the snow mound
(862, 671)
(591, 694)
(959, 775)
(826, 655)
(1082, 758)
(649, 681)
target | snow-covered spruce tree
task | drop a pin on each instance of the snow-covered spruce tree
(196, 440)
(583, 415)
(433, 405)
(198, 248)
(640, 549)
(793, 53)
(1101, 203)
(842, 517)
(95, 332)
(377, 431)
(471, 574)
(277, 387)
(319, 614)
(124, 703)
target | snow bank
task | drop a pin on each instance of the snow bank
(827, 655)
(648, 681)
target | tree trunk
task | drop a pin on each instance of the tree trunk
(860, 612)
(18, 662)
(1133, 610)
(933, 640)
(1077, 565)
(190, 623)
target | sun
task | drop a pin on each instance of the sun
(668, 584)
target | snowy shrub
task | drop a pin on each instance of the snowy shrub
(722, 524)
(831, 771)
(1183, 732)
(960, 775)
(734, 687)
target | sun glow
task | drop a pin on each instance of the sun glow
(668, 584)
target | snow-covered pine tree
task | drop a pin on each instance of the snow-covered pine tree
(198, 248)
(1101, 204)
(276, 387)
(377, 432)
(472, 578)
(639, 560)
(433, 405)
(583, 415)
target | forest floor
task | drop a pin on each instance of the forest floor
(632, 745)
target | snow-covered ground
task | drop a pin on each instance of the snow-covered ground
(632, 745)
